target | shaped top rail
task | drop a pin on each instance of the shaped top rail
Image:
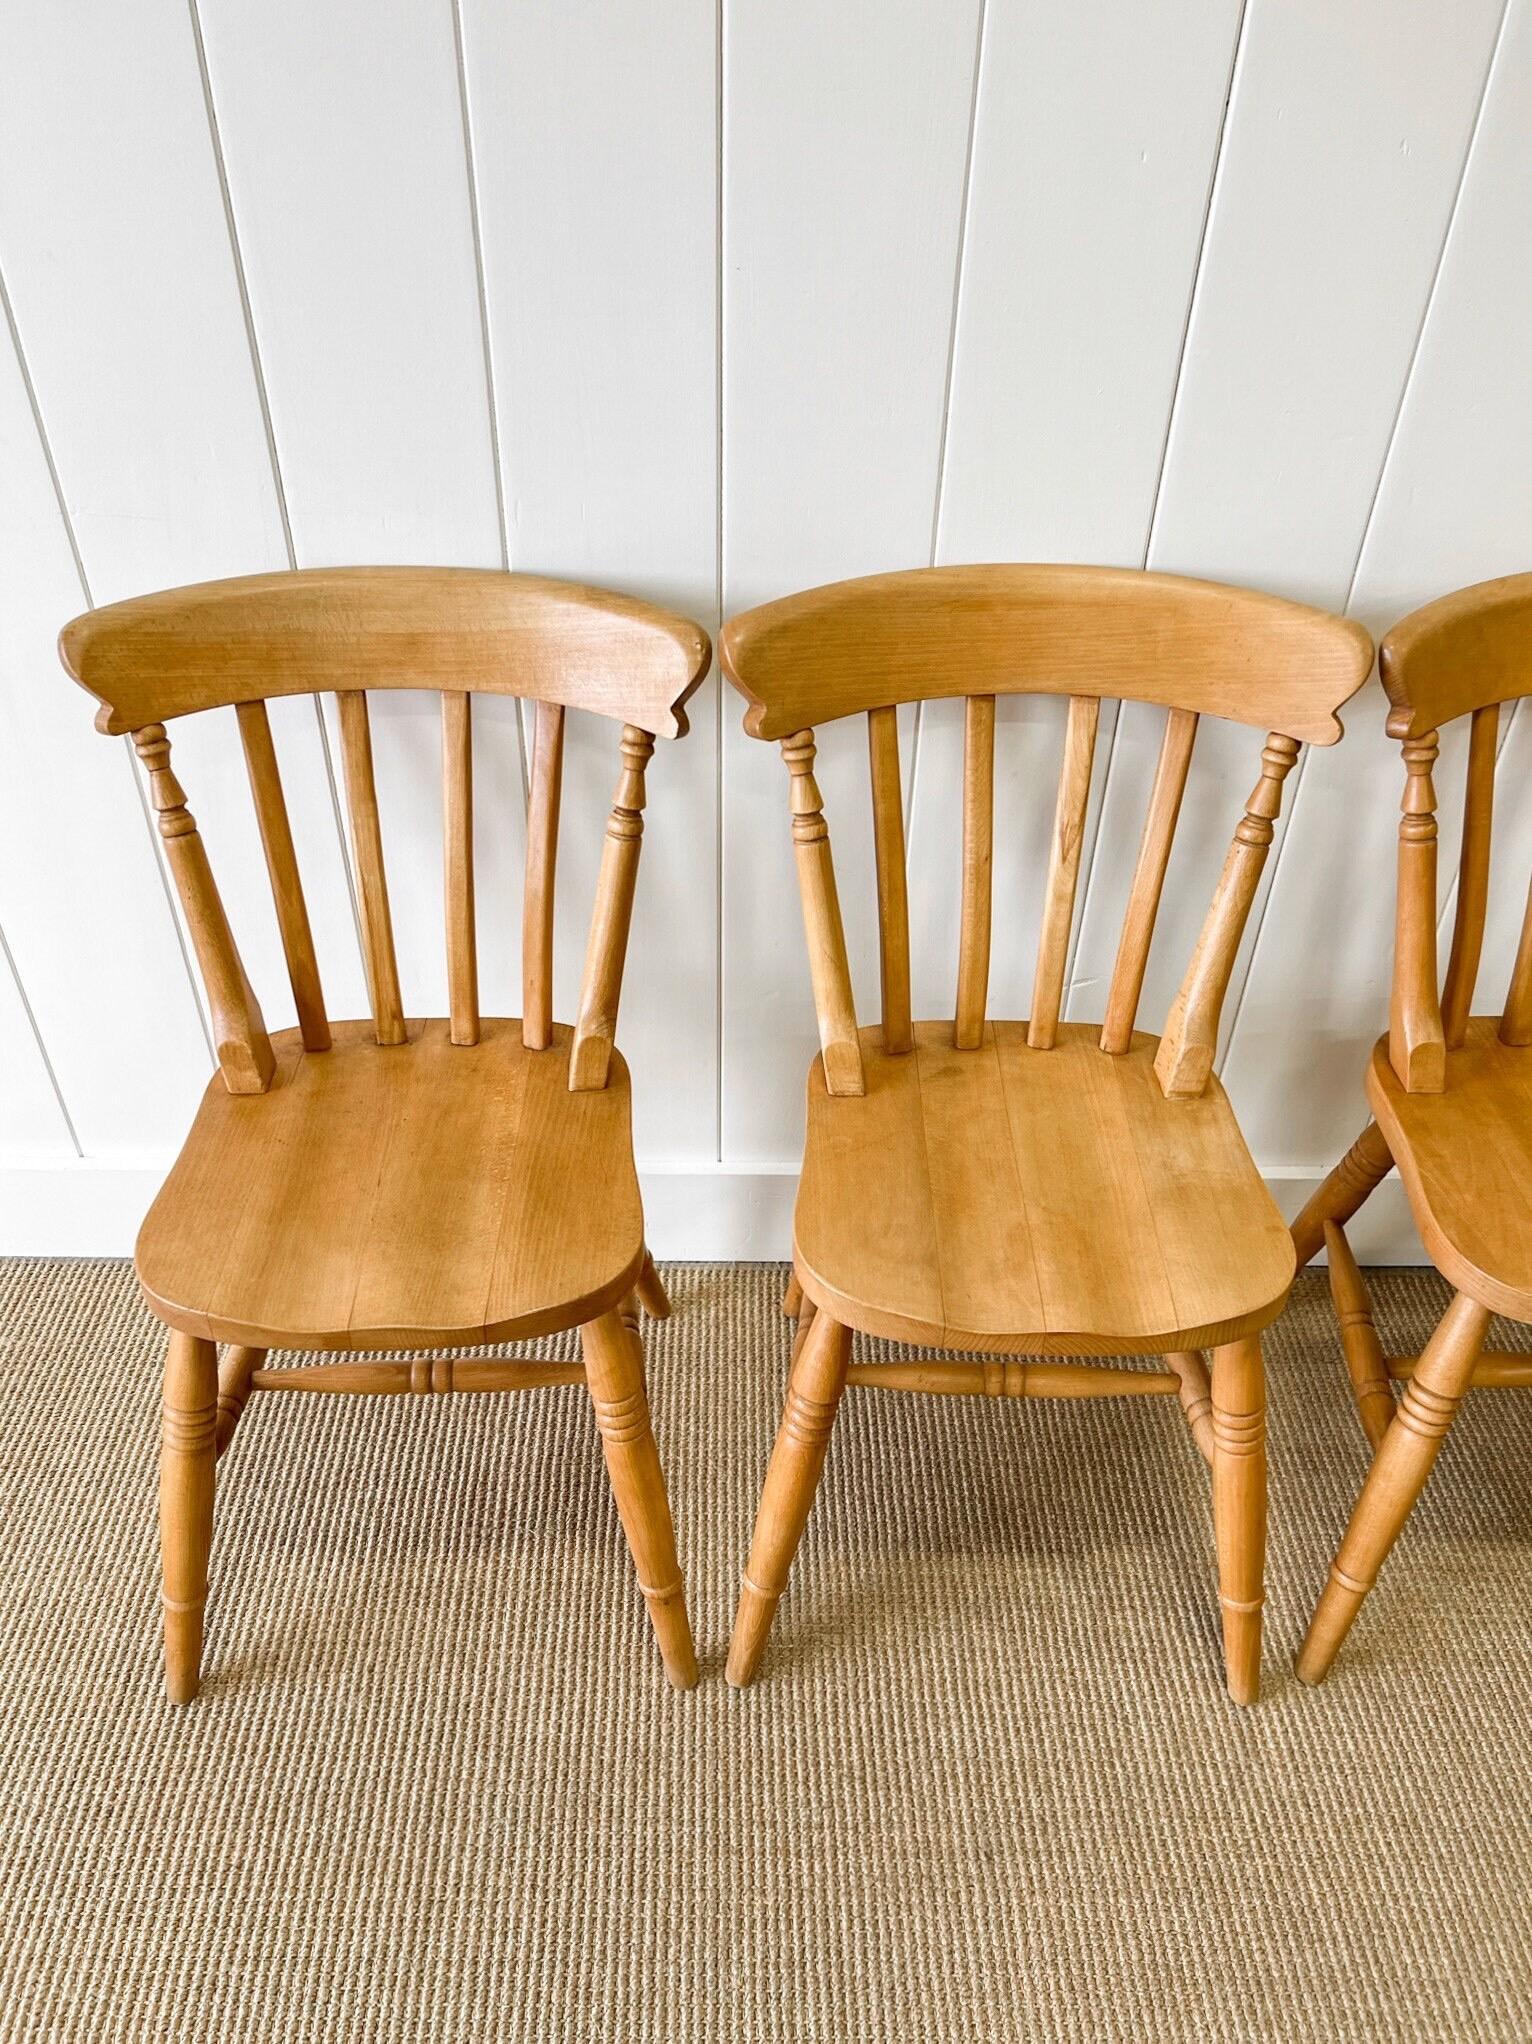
(1461, 653)
(1048, 630)
(156, 657)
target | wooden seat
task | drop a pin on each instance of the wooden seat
(1451, 1094)
(1465, 1155)
(1039, 1188)
(1007, 1203)
(434, 1183)
(410, 1197)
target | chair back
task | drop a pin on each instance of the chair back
(350, 631)
(1197, 648)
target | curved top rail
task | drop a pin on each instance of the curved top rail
(1461, 653)
(1119, 632)
(213, 643)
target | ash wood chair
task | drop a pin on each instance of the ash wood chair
(1040, 1188)
(1450, 1092)
(396, 1182)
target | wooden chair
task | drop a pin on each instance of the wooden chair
(1039, 1188)
(1451, 1093)
(399, 1183)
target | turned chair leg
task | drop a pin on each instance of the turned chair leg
(1239, 1508)
(1347, 1189)
(652, 1295)
(1399, 1470)
(614, 1375)
(814, 1386)
(792, 1298)
(239, 1365)
(188, 1427)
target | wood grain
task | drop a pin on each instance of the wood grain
(924, 634)
(342, 629)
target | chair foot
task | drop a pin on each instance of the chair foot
(1239, 1509)
(615, 1378)
(814, 1386)
(1403, 1461)
(189, 1419)
(652, 1295)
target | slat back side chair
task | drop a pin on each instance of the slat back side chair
(394, 1182)
(1450, 1092)
(1042, 1187)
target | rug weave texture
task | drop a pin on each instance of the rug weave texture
(988, 1785)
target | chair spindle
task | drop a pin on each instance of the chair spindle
(457, 846)
(542, 857)
(282, 867)
(1148, 881)
(239, 1034)
(1416, 1039)
(825, 936)
(590, 1057)
(1063, 870)
(978, 869)
(372, 883)
(1473, 876)
(1184, 1061)
(1516, 1023)
(893, 897)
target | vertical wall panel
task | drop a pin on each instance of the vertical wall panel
(846, 134)
(1095, 138)
(599, 239)
(342, 134)
(1343, 150)
(32, 1124)
(82, 901)
(116, 250)
(1455, 506)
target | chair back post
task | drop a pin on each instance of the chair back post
(457, 864)
(1473, 876)
(239, 1034)
(1184, 1061)
(282, 870)
(893, 892)
(590, 1056)
(1063, 870)
(1417, 1047)
(829, 968)
(978, 871)
(1516, 1023)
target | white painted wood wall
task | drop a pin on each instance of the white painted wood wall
(710, 301)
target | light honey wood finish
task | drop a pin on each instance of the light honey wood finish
(156, 657)
(1009, 1202)
(893, 894)
(1063, 870)
(239, 1033)
(596, 1028)
(978, 869)
(1451, 1093)
(829, 969)
(964, 631)
(457, 847)
(1148, 880)
(1033, 1189)
(542, 858)
(401, 1183)
(282, 869)
(371, 876)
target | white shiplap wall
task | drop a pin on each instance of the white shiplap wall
(710, 302)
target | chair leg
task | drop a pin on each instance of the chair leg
(806, 1313)
(188, 1426)
(1399, 1470)
(652, 1295)
(1239, 1508)
(814, 1386)
(1347, 1189)
(614, 1375)
(792, 1298)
